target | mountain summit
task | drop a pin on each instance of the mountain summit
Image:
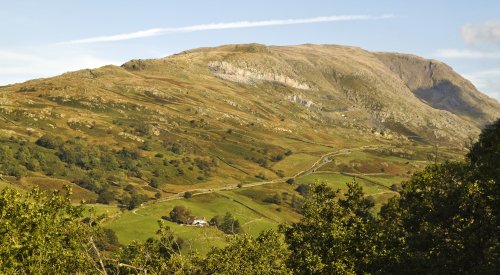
(333, 85)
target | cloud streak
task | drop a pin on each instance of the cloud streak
(224, 26)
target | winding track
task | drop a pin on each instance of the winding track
(324, 159)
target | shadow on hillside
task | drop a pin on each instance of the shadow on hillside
(445, 95)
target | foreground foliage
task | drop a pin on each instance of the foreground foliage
(445, 221)
(42, 234)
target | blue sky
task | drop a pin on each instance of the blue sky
(46, 38)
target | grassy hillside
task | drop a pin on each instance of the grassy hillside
(230, 125)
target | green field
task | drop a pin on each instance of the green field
(295, 163)
(142, 223)
(386, 180)
(379, 191)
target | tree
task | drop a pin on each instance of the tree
(303, 189)
(266, 254)
(50, 141)
(136, 200)
(448, 222)
(156, 256)
(228, 224)
(334, 237)
(154, 182)
(446, 219)
(105, 196)
(276, 199)
(484, 155)
(107, 240)
(147, 145)
(180, 214)
(43, 234)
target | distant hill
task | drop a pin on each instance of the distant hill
(224, 115)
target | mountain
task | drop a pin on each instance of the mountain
(437, 85)
(227, 114)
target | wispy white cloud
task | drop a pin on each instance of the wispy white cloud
(223, 26)
(484, 33)
(466, 54)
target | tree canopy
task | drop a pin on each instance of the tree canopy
(444, 221)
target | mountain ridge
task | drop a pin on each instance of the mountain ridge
(234, 110)
(351, 73)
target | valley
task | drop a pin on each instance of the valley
(240, 128)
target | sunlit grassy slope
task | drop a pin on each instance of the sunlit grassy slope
(207, 120)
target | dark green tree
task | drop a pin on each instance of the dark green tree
(180, 214)
(484, 155)
(50, 141)
(446, 221)
(334, 237)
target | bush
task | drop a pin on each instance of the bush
(181, 214)
(154, 182)
(276, 199)
(228, 224)
(15, 170)
(395, 187)
(50, 141)
(135, 200)
(261, 175)
(105, 196)
(277, 158)
(303, 189)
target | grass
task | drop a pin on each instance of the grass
(49, 184)
(338, 181)
(103, 209)
(295, 163)
(386, 180)
(142, 223)
(184, 89)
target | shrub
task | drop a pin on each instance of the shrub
(50, 141)
(154, 182)
(180, 214)
(228, 224)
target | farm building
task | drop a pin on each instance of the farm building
(199, 222)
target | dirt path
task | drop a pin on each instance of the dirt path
(324, 159)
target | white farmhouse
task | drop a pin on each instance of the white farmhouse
(199, 222)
